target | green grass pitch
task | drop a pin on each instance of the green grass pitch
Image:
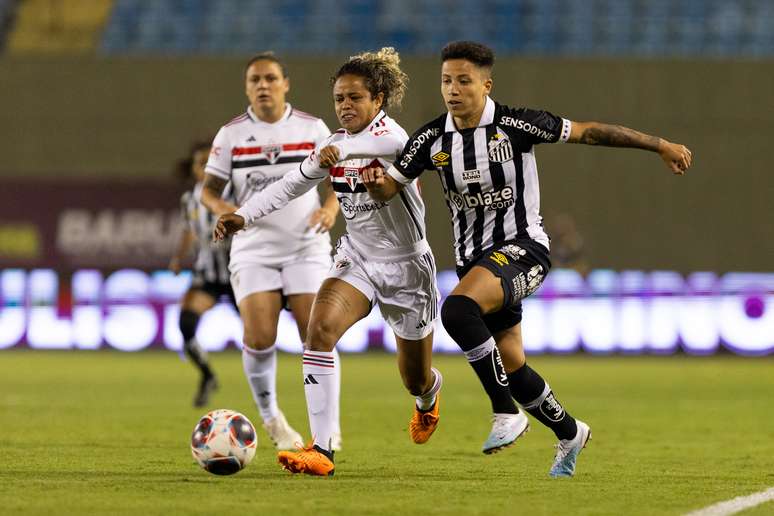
(105, 432)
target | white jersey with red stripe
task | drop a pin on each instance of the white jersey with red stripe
(381, 231)
(254, 154)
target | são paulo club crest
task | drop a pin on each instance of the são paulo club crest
(272, 152)
(351, 176)
(500, 150)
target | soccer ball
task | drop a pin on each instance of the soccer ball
(223, 442)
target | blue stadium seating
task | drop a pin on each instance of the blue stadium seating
(6, 13)
(713, 28)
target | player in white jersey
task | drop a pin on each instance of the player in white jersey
(384, 258)
(282, 260)
(484, 153)
(211, 277)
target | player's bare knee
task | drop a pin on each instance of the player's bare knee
(321, 335)
(259, 339)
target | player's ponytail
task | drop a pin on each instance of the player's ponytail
(381, 72)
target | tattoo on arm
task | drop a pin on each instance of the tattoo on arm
(618, 136)
(214, 184)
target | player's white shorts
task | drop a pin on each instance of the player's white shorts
(404, 289)
(301, 276)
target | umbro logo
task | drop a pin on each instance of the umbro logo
(310, 380)
(251, 139)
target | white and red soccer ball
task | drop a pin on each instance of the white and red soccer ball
(223, 442)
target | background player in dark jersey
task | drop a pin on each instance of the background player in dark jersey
(211, 275)
(484, 154)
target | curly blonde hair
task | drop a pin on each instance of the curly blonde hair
(381, 72)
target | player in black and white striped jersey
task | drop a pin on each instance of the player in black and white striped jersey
(211, 275)
(484, 153)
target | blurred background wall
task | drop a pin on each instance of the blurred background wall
(130, 118)
(102, 89)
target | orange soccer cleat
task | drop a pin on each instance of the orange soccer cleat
(310, 460)
(423, 424)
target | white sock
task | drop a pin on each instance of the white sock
(320, 386)
(336, 392)
(260, 366)
(425, 401)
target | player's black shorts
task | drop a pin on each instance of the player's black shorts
(215, 289)
(522, 266)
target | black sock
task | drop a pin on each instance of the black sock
(463, 321)
(536, 397)
(188, 322)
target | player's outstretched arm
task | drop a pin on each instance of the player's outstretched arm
(212, 189)
(676, 156)
(380, 186)
(294, 184)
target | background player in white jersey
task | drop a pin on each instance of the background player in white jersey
(282, 259)
(484, 153)
(211, 276)
(383, 259)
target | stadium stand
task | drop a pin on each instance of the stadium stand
(646, 28)
(58, 26)
(7, 12)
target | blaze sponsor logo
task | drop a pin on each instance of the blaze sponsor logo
(471, 176)
(351, 176)
(500, 150)
(497, 200)
(440, 159)
(349, 209)
(527, 128)
(272, 152)
(498, 258)
(416, 143)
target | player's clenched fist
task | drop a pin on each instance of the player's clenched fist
(329, 156)
(677, 157)
(227, 224)
(373, 177)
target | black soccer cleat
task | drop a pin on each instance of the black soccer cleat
(207, 386)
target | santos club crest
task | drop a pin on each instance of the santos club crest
(500, 149)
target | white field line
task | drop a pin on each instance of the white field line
(735, 505)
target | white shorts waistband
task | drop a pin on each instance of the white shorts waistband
(388, 254)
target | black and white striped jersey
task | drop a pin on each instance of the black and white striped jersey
(488, 173)
(211, 264)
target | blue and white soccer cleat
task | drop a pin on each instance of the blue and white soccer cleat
(506, 428)
(567, 452)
